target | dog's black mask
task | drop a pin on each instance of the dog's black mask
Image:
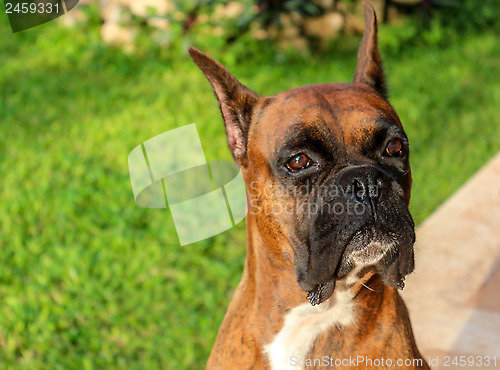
(359, 219)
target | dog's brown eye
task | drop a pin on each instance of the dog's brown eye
(298, 162)
(394, 148)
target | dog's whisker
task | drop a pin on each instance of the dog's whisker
(373, 290)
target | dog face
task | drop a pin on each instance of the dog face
(327, 171)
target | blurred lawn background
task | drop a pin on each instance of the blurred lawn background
(90, 280)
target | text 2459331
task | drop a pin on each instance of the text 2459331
(31, 8)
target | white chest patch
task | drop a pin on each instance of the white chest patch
(303, 324)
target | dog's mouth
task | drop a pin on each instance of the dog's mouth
(368, 247)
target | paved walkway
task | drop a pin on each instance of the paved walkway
(454, 294)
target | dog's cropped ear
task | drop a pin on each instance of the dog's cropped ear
(369, 68)
(235, 99)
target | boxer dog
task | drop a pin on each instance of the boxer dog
(329, 235)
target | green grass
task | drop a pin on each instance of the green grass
(90, 280)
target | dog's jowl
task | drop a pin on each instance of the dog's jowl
(329, 235)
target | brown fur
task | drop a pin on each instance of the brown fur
(346, 113)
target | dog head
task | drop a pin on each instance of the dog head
(327, 171)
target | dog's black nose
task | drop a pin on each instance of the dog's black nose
(365, 184)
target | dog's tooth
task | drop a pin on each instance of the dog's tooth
(314, 295)
(401, 284)
(321, 293)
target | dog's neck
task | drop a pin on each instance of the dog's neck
(291, 323)
(271, 283)
(270, 273)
